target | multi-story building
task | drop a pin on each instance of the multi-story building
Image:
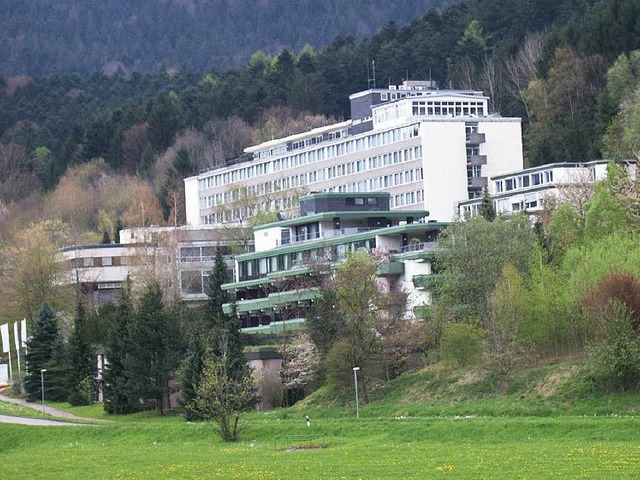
(180, 258)
(276, 284)
(427, 148)
(529, 189)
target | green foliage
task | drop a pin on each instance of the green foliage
(81, 362)
(40, 350)
(508, 303)
(191, 372)
(152, 356)
(462, 344)
(118, 394)
(339, 364)
(614, 362)
(471, 258)
(566, 228)
(223, 397)
(604, 215)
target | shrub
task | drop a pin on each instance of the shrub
(614, 362)
(462, 344)
(621, 287)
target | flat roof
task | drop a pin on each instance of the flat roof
(298, 247)
(353, 213)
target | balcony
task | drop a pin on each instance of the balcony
(475, 138)
(326, 234)
(429, 247)
(477, 160)
(477, 182)
(390, 268)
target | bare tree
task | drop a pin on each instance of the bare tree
(521, 68)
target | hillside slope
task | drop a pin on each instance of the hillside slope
(41, 36)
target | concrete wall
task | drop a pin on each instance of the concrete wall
(444, 159)
(192, 199)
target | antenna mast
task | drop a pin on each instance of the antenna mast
(372, 79)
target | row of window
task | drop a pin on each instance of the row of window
(524, 181)
(309, 178)
(464, 108)
(303, 158)
(250, 269)
(408, 198)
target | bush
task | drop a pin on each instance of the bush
(614, 362)
(462, 344)
(339, 364)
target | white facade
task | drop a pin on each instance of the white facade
(529, 189)
(417, 146)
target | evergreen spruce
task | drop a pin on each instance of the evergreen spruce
(487, 209)
(118, 397)
(116, 234)
(225, 328)
(151, 362)
(106, 238)
(81, 361)
(40, 349)
(56, 378)
(191, 371)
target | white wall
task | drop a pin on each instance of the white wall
(503, 147)
(267, 239)
(444, 160)
(192, 200)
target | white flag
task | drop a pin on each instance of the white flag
(16, 337)
(23, 332)
(4, 330)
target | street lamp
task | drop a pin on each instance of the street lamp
(42, 385)
(355, 381)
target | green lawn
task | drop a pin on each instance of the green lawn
(474, 447)
(432, 424)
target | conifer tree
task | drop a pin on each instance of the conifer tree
(487, 209)
(118, 397)
(224, 326)
(40, 348)
(151, 362)
(81, 361)
(191, 369)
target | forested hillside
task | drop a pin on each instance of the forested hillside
(557, 64)
(44, 36)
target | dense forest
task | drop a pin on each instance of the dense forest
(43, 37)
(567, 67)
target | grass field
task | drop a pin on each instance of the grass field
(414, 434)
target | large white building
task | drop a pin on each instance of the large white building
(427, 148)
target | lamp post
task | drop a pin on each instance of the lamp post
(42, 385)
(355, 381)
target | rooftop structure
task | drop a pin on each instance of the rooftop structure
(426, 148)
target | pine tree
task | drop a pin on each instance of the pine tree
(191, 371)
(116, 234)
(487, 209)
(81, 362)
(56, 383)
(225, 328)
(40, 349)
(118, 397)
(152, 359)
